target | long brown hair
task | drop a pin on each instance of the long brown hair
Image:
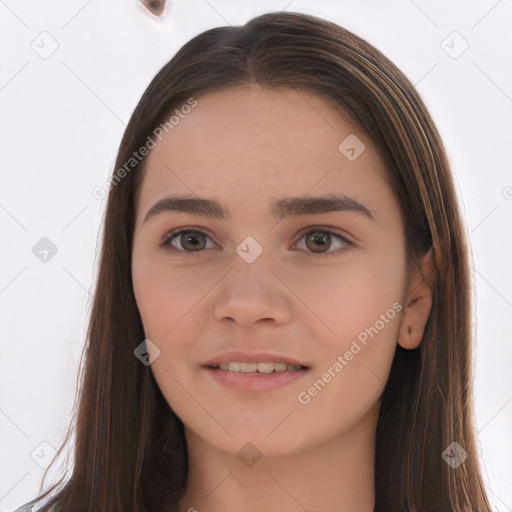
(130, 451)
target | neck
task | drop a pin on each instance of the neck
(336, 475)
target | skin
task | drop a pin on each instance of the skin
(245, 147)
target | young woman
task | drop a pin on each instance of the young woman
(282, 318)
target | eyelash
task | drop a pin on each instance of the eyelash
(167, 239)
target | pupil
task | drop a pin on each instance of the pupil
(319, 238)
(191, 239)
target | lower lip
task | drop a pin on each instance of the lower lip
(251, 383)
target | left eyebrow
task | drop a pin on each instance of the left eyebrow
(282, 208)
(317, 205)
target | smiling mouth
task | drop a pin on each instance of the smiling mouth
(264, 368)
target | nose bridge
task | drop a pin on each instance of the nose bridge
(250, 275)
(250, 291)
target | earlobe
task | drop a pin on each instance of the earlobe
(418, 303)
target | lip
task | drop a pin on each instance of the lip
(254, 357)
(251, 383)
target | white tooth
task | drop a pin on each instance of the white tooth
(280, 367)
(265, 367)
(234, 367)
(248, 367)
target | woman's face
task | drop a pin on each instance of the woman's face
(258, 280)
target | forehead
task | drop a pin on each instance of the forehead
(254, 142)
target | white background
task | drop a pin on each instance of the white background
(62, 119)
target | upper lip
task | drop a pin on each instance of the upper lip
(254, 357)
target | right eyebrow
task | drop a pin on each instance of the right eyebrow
(280, 209)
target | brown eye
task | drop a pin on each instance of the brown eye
(190, 241)
(318, 240)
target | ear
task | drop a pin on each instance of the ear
(418, 303)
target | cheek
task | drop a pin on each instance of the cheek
(165, 294)
(370, 292)
(360, 302)
(153, 300)
(167, 299)
(348, 298)
(363, 309)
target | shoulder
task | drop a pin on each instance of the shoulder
(26, 508)
(31, 506)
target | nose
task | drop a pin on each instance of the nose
(252, 293)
